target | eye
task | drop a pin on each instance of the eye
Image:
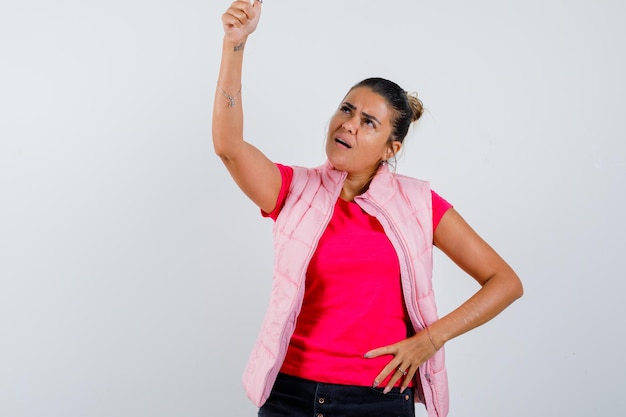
(369, 123)
(345, 109)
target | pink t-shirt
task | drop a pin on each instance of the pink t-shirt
(353, 297)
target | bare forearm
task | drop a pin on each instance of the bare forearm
(494, 296)
(227, 123)
(254, 173)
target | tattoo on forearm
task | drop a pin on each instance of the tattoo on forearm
(239, 47)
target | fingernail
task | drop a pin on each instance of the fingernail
(386, 390)
(375, 384)
(367, 355)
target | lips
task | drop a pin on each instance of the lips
(343, 143)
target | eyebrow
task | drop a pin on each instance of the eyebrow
(369, 116)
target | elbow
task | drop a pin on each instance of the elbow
(219, 145)
(219, 150)
(227, 156)
(516, 287)
(512, 284)
(519, 291)
(509, 286)
(222, 148)
(226, 146)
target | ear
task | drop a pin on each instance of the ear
(392, 150)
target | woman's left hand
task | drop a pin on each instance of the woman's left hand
(408, 355)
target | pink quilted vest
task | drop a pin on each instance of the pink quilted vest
(403, 206)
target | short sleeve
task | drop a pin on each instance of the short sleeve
(286, 174)
(440, 206)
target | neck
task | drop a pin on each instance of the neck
(355, 185)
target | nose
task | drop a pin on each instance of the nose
(350, 125)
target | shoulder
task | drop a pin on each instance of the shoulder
(411, 181)
(411, 187)
(325, 174)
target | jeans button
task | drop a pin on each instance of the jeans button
(321, 400)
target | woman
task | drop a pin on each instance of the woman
(352, 328)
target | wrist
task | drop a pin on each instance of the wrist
(235, 45)
(432, 341)
(436, 336)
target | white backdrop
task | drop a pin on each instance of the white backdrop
(134, 274)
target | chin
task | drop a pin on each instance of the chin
(335, 163)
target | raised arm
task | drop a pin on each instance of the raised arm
(256, 175)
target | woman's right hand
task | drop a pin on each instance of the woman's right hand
(240, 20)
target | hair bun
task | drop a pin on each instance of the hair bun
(416, 105)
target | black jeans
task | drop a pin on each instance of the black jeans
(297, 397)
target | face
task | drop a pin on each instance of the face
(358, 134)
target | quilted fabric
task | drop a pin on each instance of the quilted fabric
(403, 206)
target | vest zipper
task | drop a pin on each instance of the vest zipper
(410, 272)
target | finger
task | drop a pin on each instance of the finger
(390, 368)
(241, 10)
(235, 17)
(374, 353)
(231, 21)
(397, 375)
(407, 378)
(245, 6)
(257, 6)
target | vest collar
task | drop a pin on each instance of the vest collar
(381, 188)
(332, 178)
